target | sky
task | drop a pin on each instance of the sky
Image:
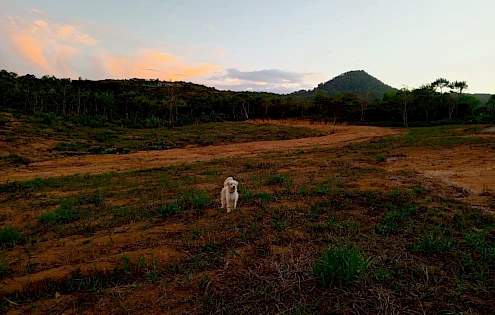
(279, 46)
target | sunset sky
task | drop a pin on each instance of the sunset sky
(260, 45)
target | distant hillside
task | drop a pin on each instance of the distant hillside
(357, 82)
(483, 97)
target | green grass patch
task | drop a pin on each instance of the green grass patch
(278, 180)
(431, 244)
(9, 236)
(395, 218)
(168, 210)
(340, 262)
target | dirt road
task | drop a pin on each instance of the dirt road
(95, 164)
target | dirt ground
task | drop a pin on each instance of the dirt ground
(470, 168)
(95, 164)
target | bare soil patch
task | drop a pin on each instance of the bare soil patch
(470, 167)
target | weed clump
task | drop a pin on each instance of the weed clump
(340, 262)
(9, 236)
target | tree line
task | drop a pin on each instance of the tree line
(152, 103)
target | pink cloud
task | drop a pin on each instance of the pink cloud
(152, 64)
(59, 49)
(32, 50)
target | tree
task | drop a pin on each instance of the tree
(459, 86)
(425, 95)
(440, 83)
(490, 106)
(364, 101)
(406, 97)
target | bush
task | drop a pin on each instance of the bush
(154, 122)
(339, 262)
(89, 121)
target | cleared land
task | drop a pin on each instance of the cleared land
(142, 233)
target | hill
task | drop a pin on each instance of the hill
(357, 82)
(483, 97)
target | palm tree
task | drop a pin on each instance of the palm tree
(459, 86)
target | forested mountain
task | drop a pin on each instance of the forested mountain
(356, 82)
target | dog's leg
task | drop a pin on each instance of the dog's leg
(235, 203)
(222, 199)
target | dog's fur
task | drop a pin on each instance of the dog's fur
(229, 194)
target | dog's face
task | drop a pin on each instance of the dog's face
(232, 184)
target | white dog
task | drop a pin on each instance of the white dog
(229, 194)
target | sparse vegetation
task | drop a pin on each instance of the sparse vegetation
(324, 231)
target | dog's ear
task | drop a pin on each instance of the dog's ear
(227, 180)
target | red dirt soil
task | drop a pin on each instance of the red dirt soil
(96, 164)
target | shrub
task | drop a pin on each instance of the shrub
(154, 122)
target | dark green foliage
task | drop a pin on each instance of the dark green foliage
(339, 262)
(354, 96)
(9, 236)
(168, 210)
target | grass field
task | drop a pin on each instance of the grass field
(357, 228)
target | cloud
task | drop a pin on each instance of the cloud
(269, 80)
(53, 32)
(45, 46)
(153, 64)
(267, 75)
(32, 50)
(68, 32)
